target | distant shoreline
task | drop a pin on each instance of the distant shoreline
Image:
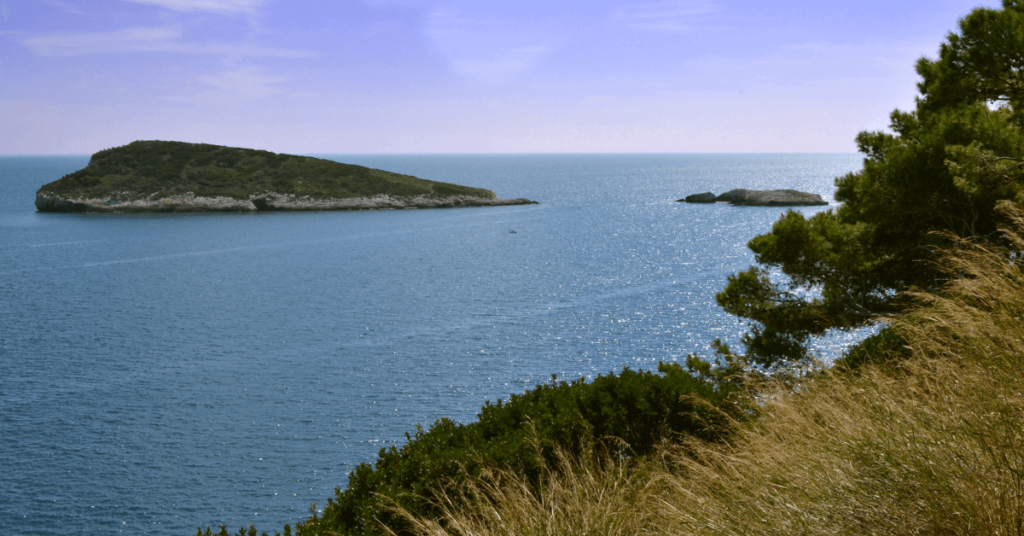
(272, 202)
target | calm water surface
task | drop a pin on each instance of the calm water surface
(161, 372)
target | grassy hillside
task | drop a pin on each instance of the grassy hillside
(168, 168)
(929, 441)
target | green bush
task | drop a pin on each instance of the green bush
(241, 532)
(639, 409)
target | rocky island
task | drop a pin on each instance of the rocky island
(758, 198)
(169, 176)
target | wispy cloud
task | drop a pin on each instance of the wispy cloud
(245, 84)
(483, 48)
(232, 87)
(672, 15)
(166, 39)
(67, 6)
(503, 66)
(248, 7)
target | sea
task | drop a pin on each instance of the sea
(160, 373)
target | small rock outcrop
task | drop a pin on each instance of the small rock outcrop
(759, 198)
(706, 197)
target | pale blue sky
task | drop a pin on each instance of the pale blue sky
(461, 76)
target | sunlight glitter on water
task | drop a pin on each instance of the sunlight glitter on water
(165, 372)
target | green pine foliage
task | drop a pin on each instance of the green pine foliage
(886, 347)
(166, 168)
(640, 410)
(942, 170)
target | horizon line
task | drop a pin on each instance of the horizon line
(722, 153)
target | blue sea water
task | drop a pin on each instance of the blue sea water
(164, 372)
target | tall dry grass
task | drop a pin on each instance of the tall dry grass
(933, 445)
(596, 497)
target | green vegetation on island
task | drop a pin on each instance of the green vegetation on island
(916, 431)
(149, 176)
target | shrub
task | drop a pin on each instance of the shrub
(241, 532)
(640, 410)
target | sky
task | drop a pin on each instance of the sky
(462, 76)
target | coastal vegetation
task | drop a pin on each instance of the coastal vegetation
(926, 441)
(937, 175)
(917, 430)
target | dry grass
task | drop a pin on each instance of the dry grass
(931, 445)
(598, 498)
